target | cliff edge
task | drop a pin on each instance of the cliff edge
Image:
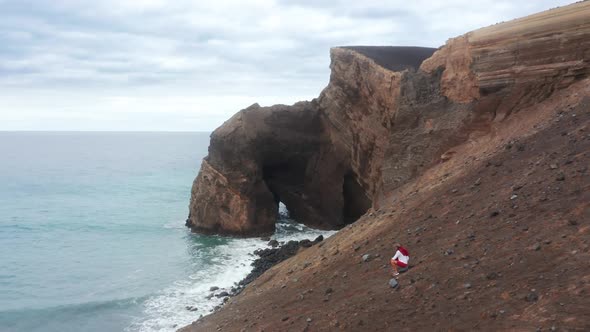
(387, 115)
(475, 157)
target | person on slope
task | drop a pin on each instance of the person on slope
(400, 259)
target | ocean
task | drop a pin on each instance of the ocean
(92, 234)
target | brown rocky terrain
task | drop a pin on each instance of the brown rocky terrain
(477, 160)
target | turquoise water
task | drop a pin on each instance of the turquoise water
(92, 234)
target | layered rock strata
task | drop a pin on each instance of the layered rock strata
(387, 115)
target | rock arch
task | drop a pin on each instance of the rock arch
(322, 158)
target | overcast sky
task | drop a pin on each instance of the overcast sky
(189, 65)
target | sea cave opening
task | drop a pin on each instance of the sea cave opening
(286, 182)
(356, 202)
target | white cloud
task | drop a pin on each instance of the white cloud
(172, 65)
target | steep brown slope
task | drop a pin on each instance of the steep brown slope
(482, 153)
(514, 214)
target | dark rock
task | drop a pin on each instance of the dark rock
(560, 177)
(572, 222)
(329, 291)
(492, 276)
(517, 187)
(319, 239)
(393, 283)
(449, 252)
(266, 238)
(286, 318)
(269, 258)
(305, 243)
(536, 246)
(191, 308)
(532, 297)
(213, 289)
(494, 214)
(222, 294)
(273, 243)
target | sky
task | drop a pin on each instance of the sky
(154, 65)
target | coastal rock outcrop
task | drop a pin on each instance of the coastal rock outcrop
(256, 159)
(320, 158)
(387, 115)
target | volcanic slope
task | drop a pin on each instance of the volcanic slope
(499, 239)
(498, 227)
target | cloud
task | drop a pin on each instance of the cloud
(215, 57)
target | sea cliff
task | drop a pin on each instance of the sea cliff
(475, 155)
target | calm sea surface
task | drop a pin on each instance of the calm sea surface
(92, 234)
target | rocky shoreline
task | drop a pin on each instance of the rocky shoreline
(268, 258)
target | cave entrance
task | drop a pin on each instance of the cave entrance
(355, 200)
(285, 182)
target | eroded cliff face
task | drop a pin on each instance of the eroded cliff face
(381, 122)
(256, 158)
(322, 159)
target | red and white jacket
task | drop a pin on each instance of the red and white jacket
(402, 255)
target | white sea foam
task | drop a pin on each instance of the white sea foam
(229, 264)
(222, 266)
